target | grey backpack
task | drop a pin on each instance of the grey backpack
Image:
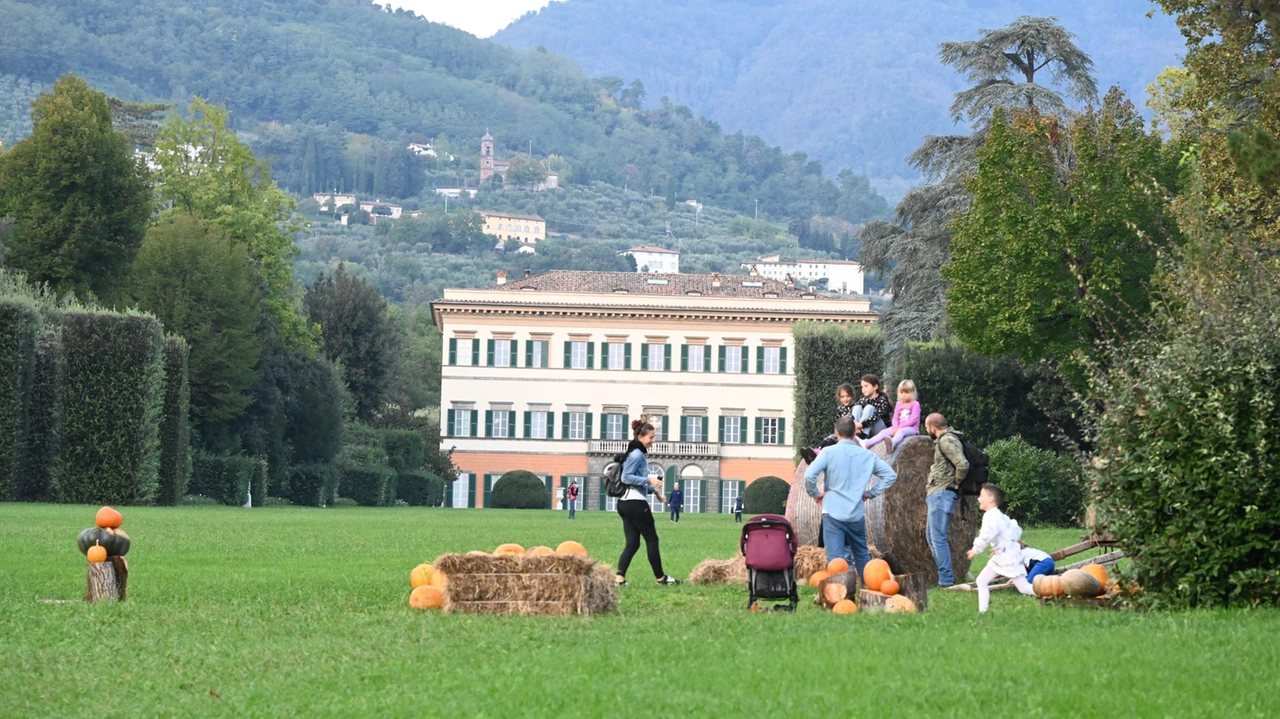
(613, 485)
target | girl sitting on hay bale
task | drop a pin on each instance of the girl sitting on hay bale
(633, 507)
(844, 408)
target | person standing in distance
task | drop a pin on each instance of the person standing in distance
(943, 491)
(737, 509)
(633, 507)
(675, 502)
(571, 496)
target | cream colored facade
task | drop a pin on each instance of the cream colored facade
(549, 381)
(529, 229)
(842, 276)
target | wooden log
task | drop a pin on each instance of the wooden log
(1103, 559)
(869, 600)
(121, 565)
(101, 585)
(896, 519)
(914, 586)
(848, 588)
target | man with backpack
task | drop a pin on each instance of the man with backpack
(946, 476)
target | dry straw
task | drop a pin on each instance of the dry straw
(554, 585)
(720, 571)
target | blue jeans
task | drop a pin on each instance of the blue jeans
(840, 537)
(572, 507)
(941, 505)
(1044, 566)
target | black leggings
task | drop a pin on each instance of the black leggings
(637, 521)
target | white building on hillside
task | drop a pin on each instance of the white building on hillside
(841, 275)
(545, 373)
(655, 260)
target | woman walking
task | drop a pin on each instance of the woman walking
(633, 507)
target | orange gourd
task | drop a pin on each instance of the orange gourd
(571, 547)
(816, 578)
(439, 580)
(97, 553)
(108, 518)
(420, 576)
(845, 606)
(876, 572)
(509, 550)
(837, 566)
(1098, 571)
(426, 597)
(1078, 583)
(889, 587)
(539, 552)
(899, 604)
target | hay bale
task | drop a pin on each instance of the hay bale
(809, 559)
(896, 519)
(802, 511)
(720, 571)
(555, 585)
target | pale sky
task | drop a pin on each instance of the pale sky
(478, 17)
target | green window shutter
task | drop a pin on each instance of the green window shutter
(450, 422)
(721, 435)
(706, 358)
(471, 490)
(644, 356)
(626, 425)
(475, 423)
(782, 360)
(604, 356)
(528, 353)
(626, 356)
(759, 431)
(488, 423)
(488, 487)
(514, 354)
(684, 428)
(551, 425)
(568, 355)
(666, 358)
(720, 354)
(489, 346)
(588, 433)
(598, 482)
(453, 350)
(564, 425)
(684, 358)
(475, 353)
(591, 356)
(604, 425)
(528, 425)
(782, 430)
(760, 360)
(745, 355)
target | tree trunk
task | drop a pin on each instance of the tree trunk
(106, 580)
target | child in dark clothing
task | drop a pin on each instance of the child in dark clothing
(844, 408)
(872, 411)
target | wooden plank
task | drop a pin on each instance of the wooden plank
(1103, 559)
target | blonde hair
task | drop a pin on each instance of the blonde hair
(909, 386)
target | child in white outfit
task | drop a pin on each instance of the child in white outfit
(1001, 535)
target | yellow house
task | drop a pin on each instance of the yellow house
(529, 229)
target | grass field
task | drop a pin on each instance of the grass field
(287, 611)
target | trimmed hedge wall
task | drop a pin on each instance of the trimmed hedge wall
(223, 477)
(519, 489)
(368, 485)
(420, 489)
(767, 495)
(313, 484)
(405, 449)
(828, 355)
(112, 397)
(19, 323)
(44, 419)
(175, 441)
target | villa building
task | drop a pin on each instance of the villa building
(545, 373)
(655, 260)
(529, 229)
(842, 276)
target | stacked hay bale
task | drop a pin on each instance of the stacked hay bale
(549, 585)
(720, 571)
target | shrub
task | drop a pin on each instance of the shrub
(519, 489)
(198, 500)
(314, 410)
(828, 355)
(767, 495)
(175, 442)
(313, 484)
(368, 485)
(260, 482)
(987, 399)
(1041, 487)
(224, 477)
(44, 418)
(405, 449)
(112, 396)
(19, 323)
(419, 489)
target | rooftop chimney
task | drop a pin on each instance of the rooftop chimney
(715, 279)
(502, 277)
(527, 273)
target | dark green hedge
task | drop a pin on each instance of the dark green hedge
(112, 397)
(767, 495)
(175, 440)
(420, 489)
(314, 410)
(223, 477)
(1041, 487)
(519, 489)
(260, 483)
(313, 484)
(405, 449)
(19, 323)
(44, 418)
(828, 355)
(368, 485)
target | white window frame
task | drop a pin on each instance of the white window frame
(502, 353)
(728, 493)
(654, 504)
(615, 426)
(538, 424)
(732, 430)
(692, 489)
(461, 422)
(772, 360)
(577, 425)
(461, 486)
(617, 355)
(701, 423)
(698, 351)
(611, 504)
(505, 417)
(465, 349)
(733, 359)
(578, 355)
(657, 358)
(538, 353)
(769, 428)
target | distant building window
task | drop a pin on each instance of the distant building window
(693, 429)
(615, 426)
(538, 425)
(617, 355)
(502, 353)
(696, 353)
(461, 423)
(732, 430)
(538, 354)
(578, 360)
(657, 356)
(733, 359)
(769, 431)
(772, 357)
(577, 425)
(501, 424)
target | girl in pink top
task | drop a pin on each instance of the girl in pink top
(906, 417)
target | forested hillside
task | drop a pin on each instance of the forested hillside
(341, 84)
(855, 84)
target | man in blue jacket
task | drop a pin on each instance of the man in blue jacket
(675, 502)
(850, 470)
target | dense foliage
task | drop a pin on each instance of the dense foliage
(19, 326)
(224, 478)
(519, 489)
(175, 439)
(1041, 487)
(766, 495)
(827, 356)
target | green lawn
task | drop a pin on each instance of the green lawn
(280, 611)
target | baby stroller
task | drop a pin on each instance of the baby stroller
(769, 545)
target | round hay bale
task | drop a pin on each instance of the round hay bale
(802, 511)
(809, 559)
(896, 519)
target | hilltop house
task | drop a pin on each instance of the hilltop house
(528, 229)
(490, 166)
(655, 260)
(842, 276)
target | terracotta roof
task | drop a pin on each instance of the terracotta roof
(800, 262)
(648, 284)
(643, 248)
(510, 215)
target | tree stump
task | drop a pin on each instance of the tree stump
(913, 586)
(107, 580)
(844, 586)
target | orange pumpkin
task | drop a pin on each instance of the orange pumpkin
(571, 547)
(837, 566)
(427, 597)
(539, 552)
(1098, 571)
(889, 587)
(876, 572)
(108, 518)
(509, 550)
(816, 578)
(97, 553)
(845, 606)
(420, 576)
(439, 580)
(1047, 585)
